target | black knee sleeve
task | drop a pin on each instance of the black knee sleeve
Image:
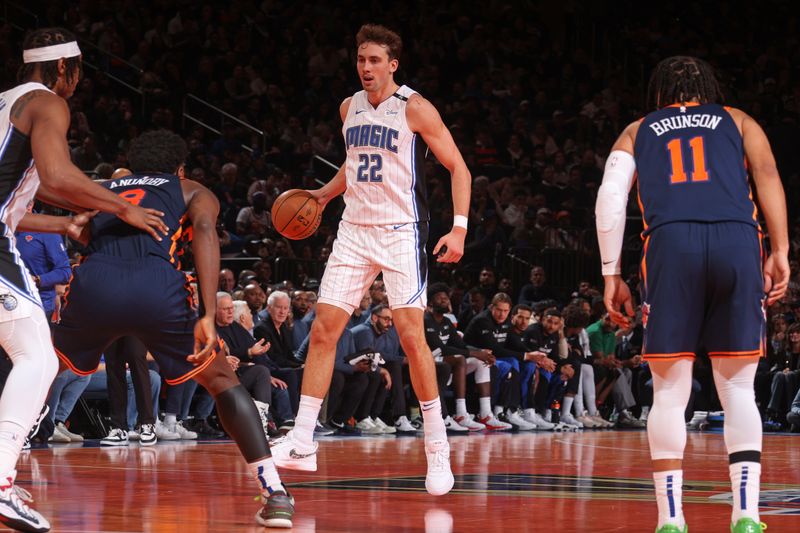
(750, 456)
(241, 421)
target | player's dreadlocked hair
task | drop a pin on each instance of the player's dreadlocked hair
(49, 69)
(157, 151)
(678, 79)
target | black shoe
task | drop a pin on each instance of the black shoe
(277, 511)
(202, 427)
(286, 425)
(323, 430)
(345, 429)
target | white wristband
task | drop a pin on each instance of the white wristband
(460, 221)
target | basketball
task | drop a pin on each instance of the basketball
(296, 214)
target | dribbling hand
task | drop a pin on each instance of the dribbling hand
(146, 219)
(205, 338)
(451, 246)
(617, 297)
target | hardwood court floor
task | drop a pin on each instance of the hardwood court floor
(592, 481)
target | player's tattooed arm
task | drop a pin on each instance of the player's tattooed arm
(22, 102)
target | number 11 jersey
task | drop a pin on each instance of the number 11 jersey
(691, 167)
(384, 166)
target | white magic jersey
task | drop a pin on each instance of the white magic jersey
(384, 166)
(19, 182)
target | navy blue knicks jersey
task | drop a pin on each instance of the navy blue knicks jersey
(113, 237)
(691, 167)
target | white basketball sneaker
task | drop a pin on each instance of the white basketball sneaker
(439, 479)
(288, 453)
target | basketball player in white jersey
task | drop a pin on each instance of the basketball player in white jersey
(384, 228)
(34, 120)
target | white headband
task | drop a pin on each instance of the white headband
(50, 53)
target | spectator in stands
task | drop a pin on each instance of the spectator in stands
(299, 304)
(575, 314)
(538, 289)
(379, 335)
(86, 156)
(377, 296)
(526, 236)
(785, 376)
(243, 350)
(446, 345)
(489, 330)
(128, 353)
(475, 304)
(360, 313)
(255, 298)
(227, 281)
(275, 331)
(612, 373)
(357, 391)
(263, 272)
(253, 221)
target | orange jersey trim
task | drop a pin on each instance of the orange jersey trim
(676, 355)
(643, 265)
(195, 371)
(64, 359)
(738, 355)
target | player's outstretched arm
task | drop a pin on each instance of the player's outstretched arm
(612, 200)
(773, 206)
(49, 122)
(75, 227)
(203, 209)
(423, 118)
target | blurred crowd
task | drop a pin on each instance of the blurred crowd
(534, 95)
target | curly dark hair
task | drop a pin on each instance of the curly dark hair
(375, 33)
(678, 79)
(157, 151)
(436, 288)
(48, 70)
(575, 317)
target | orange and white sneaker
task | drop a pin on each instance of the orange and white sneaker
(288, 453)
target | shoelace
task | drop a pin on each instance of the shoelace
(441, 461)
(22, 494)
(18, 504)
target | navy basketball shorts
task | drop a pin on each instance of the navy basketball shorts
(703, 291)
(109, 297)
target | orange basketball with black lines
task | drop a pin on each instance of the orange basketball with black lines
(296, 214)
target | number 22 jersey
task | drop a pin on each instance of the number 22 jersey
(384, 166)
(691, 167)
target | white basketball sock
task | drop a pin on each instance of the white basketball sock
(461, 407)
(267, 475)
(486, 406)
(669, 489)
(306, 419)
(432, 419)
(745, 482)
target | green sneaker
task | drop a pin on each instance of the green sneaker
(671, 528)
(748, 525)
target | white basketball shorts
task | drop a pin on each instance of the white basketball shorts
(360, 253)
